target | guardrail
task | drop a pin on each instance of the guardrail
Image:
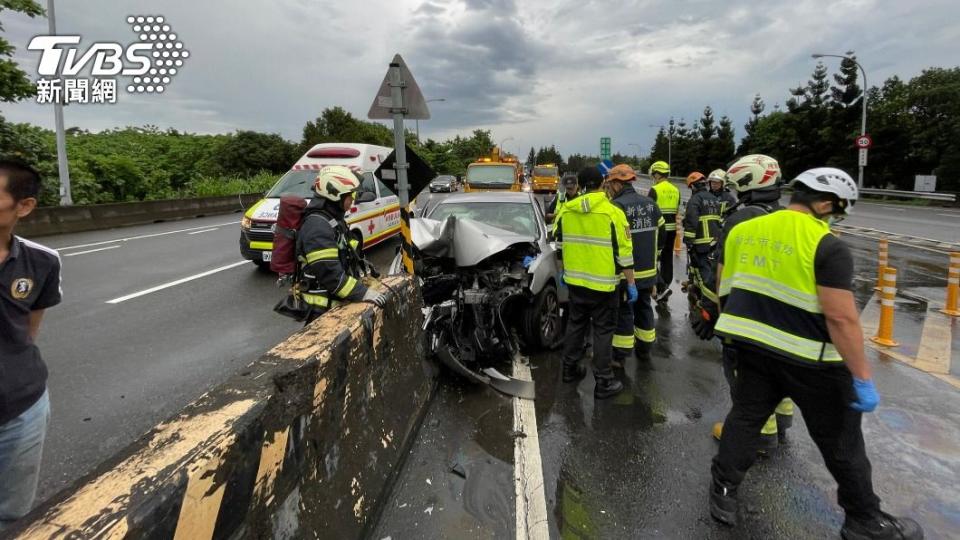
(303, 443)
(47, 220)
(933, 196)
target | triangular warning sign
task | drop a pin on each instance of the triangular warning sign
(415, 107)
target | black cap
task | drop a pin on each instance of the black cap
(569, 180)
(589, 178)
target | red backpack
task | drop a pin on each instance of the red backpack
(289, 219)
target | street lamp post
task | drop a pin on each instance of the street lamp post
(863, 116)
(418, 120)
(503, 141)
(66, 199)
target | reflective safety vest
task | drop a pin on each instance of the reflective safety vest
(768, 278)
(668, 199)
(594, 242)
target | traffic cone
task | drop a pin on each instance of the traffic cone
(888, 292)
(676, 241)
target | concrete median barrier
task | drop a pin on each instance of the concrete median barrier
(49, 220)
(302, 444)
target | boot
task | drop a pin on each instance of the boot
(607, 386)
(881, 527)
(642, 351)
(573, 372)
(723, 504)
(768, 443)
(784, 421)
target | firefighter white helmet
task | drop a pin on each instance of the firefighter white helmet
(830, 180)
(333, 182)
(752, 172)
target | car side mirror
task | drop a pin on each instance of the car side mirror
(366, 196)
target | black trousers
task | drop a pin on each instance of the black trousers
(636, 324)
(824, 396)
(665, 277)
(596, 310)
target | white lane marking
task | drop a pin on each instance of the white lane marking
(90, 251)
(142, 236)
(531, 504)
(894, 208)
(949, 215)
(203, 231)
(175, 283)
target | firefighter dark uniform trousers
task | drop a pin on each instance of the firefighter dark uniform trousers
(329, 256)
(636, 322)
(773, 318)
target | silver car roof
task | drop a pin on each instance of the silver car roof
(489, 197)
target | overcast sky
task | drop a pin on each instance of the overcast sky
(563, 72)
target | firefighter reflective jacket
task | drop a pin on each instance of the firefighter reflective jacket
(646, 232)
(594, 243)
(770, 287)
(701, 221)
(330, 258)
(668, 199)
(727, 201)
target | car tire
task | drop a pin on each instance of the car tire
(542, 324)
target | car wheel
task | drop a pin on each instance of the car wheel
(542, 325)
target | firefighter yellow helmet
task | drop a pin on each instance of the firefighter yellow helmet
(333, 182)
(660, 167)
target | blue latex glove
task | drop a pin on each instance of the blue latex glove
(867, 397)
(560, 279)
(528, 260)
(632, 294)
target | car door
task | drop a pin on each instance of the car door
(362, 216)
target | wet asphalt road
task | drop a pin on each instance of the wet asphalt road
(637, 465)
(116, 370)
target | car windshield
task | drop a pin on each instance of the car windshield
(518, 218)
(491, 174)
(544, 171)
(300, 183)
(442, 180)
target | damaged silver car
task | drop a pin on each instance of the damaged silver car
(489, 280)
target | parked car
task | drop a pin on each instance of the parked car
(444, 184)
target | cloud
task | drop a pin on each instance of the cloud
(562, 72)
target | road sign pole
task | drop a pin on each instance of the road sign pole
(400, 147)
(66, 198)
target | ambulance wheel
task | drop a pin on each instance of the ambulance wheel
(542, 324)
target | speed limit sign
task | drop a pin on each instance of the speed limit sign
(864, 141)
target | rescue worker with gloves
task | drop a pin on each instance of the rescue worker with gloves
(331, 258)
(791, 315)
(667, 197)
(636, 322)
(594, 247)
(758, 177)
(701, 228)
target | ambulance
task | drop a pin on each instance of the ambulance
(373, 218)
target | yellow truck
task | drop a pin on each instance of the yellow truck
(493, 173)
(545, 178)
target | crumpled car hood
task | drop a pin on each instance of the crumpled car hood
(466, 241)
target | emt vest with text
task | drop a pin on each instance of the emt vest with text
(594, 242)
(768, 279)
(668, 199)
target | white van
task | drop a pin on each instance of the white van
(372, 221)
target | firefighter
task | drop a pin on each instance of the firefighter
(635, 322)
(791, 310)
(331, 259)
(667, 197)
(701, 223)
(758, 179)
(718, 186)
(567, 192)
(594, 247)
